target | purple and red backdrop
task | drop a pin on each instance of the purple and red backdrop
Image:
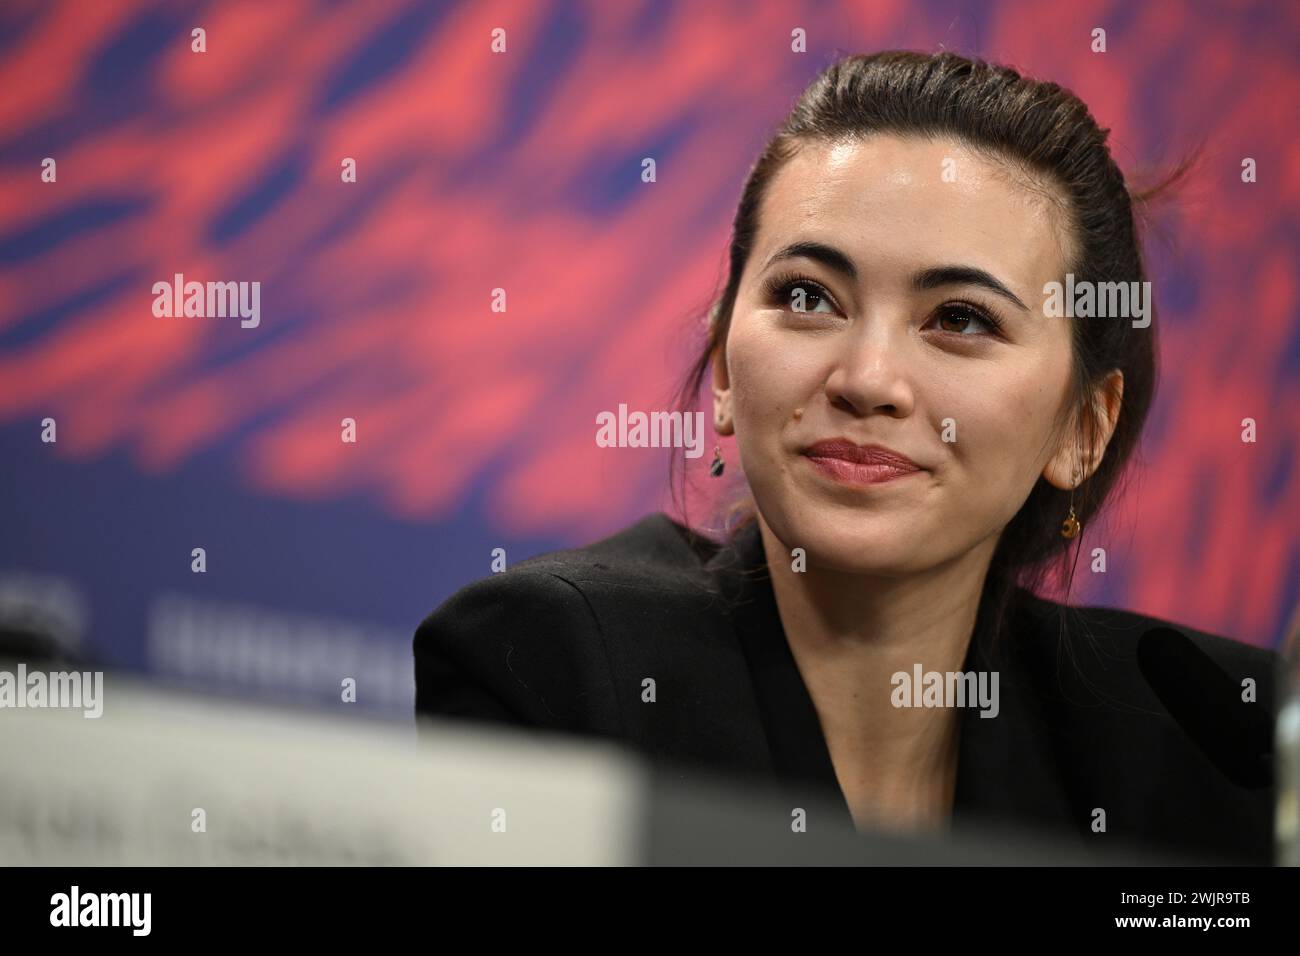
(521, 170)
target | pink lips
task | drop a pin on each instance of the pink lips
(851, 463)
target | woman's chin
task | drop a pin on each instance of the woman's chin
(876, 549)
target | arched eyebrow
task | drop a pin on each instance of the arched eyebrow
(941, 276)
(923, 281)
(828, 256)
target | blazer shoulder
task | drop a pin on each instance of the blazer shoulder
(1115, 632)
(654, 545)
(516, 647)
(1170, 753)
(654, 563)
(527, 645)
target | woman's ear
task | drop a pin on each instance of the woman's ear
(722, 423)
(1074, 462)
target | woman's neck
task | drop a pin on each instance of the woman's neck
(849, 635)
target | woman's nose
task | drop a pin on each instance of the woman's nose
(870, 375)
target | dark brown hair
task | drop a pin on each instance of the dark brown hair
(1039, 127)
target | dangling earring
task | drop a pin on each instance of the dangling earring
(1070, 527)
(716, 466)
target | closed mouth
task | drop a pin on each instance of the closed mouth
(851, 463)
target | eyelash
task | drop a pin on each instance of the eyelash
(778, 287)
(984, 315)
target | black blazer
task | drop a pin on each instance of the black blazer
(563, 641)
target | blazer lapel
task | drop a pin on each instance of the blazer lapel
(800, 760)
(1007, 767)
(1007, 770)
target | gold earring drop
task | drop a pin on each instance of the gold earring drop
(716, 466)
(1070, 527)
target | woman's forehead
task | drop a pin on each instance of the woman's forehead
(915, 201)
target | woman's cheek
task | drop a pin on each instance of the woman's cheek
(994, 465)
(755, 383)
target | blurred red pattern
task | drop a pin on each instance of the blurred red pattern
(521, 171)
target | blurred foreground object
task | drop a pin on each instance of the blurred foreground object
(1288, 753)
(161, 779)
(165, 779)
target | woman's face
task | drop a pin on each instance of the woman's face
(919, 328)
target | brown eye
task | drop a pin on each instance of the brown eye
(965, 320)
(805, 297)
(800, 295)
